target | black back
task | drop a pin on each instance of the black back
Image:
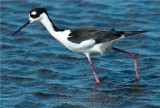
(79, 35)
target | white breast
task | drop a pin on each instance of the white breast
(62, 37)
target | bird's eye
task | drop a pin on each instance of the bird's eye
(33, 14)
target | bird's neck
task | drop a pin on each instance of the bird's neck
(53, 30)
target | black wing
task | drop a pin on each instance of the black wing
(82, 34)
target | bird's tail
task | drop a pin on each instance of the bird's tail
(129, 33)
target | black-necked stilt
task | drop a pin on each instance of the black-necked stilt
(83, 40)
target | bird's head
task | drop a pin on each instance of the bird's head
(36, 14)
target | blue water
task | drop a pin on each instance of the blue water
(39, 72)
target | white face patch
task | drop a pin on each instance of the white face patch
(34, 13)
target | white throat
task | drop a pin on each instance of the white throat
(59, 35)
(47, 23)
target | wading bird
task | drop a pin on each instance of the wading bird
(83, 40)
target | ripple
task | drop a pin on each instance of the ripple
(22, 62)
(29, 104)
(22, 40)
(47, 95)
(5, 46)
(39, 44)
(66, 105)
(46, 55)
(14, 78)
(98, 98)
(49, 74)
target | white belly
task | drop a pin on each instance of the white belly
(97, 48)
(101, 48)
(94, 49)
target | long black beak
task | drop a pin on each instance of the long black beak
(21, 27)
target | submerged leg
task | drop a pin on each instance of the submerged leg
(93, 69)
(134, 58)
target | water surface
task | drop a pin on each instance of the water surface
(37, 71)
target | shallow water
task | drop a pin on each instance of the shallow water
(37, 71)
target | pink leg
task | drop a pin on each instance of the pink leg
(93, 69)
(134, 58)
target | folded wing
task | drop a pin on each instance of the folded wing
(80, 35)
